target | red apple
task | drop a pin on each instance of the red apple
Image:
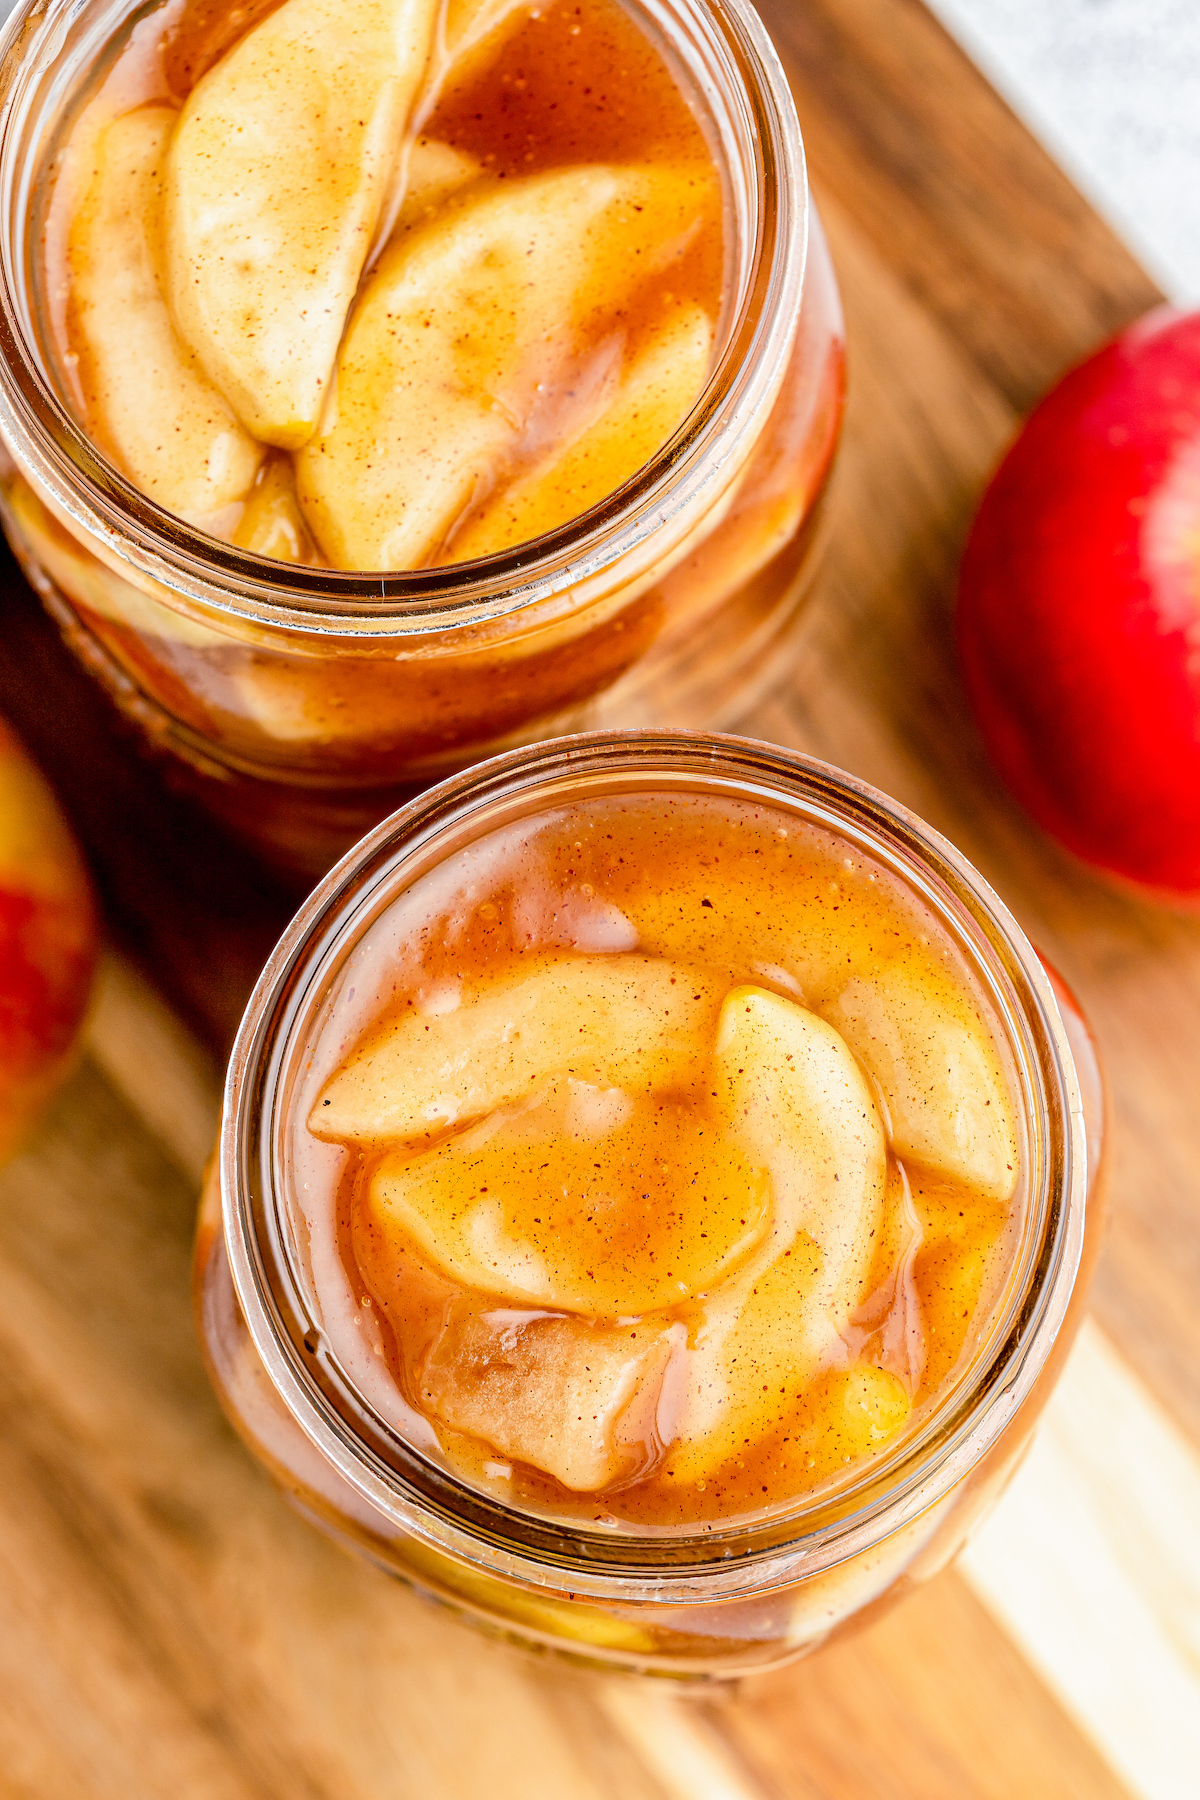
(1079, 608)
(48, 943)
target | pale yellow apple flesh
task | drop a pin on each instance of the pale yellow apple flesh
(275, 179)
(463, 333)
(755, 1207)
(94, 587)
(935, 1063)
(427, 173)
(272, 523)
(434, 173)
(544, 1614)
(652, 399)
(631, 1022)
(475, 29)
(554, 1392)
(165, 424)
(796, 1100)
(591, 1202)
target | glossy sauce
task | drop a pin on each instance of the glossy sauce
(659, 1161)
(299, 739)
(579, 90)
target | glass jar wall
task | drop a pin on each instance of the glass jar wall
(740, 1594)
(305, 703)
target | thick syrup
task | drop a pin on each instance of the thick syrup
(533, 432)
(660, 1157)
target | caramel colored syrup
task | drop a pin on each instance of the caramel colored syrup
(200, 34)
(581, 84)
(570, 85)
(641, 1212)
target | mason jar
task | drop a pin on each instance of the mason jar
(695, 1602)
(304, 704)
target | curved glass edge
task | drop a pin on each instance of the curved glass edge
(58, 458)
(442, 1512)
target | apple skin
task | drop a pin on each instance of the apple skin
(49, 940)
(1079, 609)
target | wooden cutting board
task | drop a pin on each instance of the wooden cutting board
(169, 1629)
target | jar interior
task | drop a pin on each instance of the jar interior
(375, 1417)
(51, 67)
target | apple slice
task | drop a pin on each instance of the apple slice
(434, 173)
(965, 1249)
(574, 1399)
(799, 1103)
(866, 1406)
(476, 30)
(152, 406)
(589, 1203)
(501, 1601)
(427, 172)
(850, 1413)
(941, 1079)
(653, 399)
(272, 523)
(275, 179)
(466, 324)
(92, 586)
(615, 1021)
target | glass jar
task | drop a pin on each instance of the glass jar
(716, 1601)
(304, 704)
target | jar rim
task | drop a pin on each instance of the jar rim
(729, 45)
(874, 1500)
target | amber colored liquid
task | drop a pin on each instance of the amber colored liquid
(732, 894)
(299, 749)
(574, 84)
(581, 83)
(200, 33)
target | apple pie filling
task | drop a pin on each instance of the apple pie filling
(659, 1158)
(384, 284)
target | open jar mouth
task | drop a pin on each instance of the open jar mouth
(421, 1496)
(46, 49)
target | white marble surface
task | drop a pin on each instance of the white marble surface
(1113, 88)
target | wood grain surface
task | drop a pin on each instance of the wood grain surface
(167, 1627)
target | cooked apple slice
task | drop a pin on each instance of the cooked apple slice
(933, 1058)
(799, 1104)
(808, 948)
(630, 1022)
(275, 179)
(465, 327)
(476, 30)
(152, 406)
(93, 586)
(965, 1250)
(864, 1408)
(434, 172)
(574, 1399)
(552, 1619)
(850, 1413)
(654, 398)
(272, 524)
(590, 1202)
(426, 174)
(798, 1100)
